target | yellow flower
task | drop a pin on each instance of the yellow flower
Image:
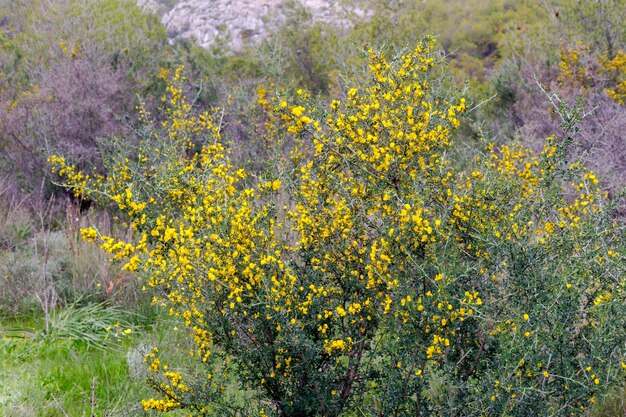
(89, 234)
(297, 111)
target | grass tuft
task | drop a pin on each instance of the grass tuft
(93, 325)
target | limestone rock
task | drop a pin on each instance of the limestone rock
(238, 22)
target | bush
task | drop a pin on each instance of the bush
(70, 72)
(370, 273)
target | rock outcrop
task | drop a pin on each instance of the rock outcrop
(239, 22)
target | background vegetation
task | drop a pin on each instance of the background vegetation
(73, 76)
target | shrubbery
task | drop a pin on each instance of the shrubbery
(70, 72)
(372, 271)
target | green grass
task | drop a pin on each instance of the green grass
(52, 376)
(614, 405)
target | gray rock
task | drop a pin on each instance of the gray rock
(243, 22)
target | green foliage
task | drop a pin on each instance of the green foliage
(111, 32)
(595, 23)
(54, 376)
(92, 325)
(474, 35)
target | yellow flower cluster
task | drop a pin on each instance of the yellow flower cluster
(574, 69)
(159, 404)
(616, 67)
(340, 345)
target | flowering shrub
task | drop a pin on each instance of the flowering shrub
(579, 69)
(616, 68)
(375, 273)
